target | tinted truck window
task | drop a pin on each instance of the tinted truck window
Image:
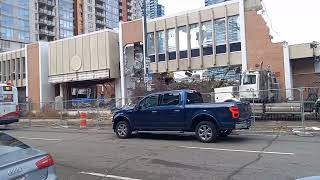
(194, 98)
(170, 99)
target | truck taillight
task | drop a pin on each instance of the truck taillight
(235, 112)
(45, 162)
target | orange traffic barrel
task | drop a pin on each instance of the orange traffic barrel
(83, 120)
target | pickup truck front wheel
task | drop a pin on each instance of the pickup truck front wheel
(123, 130)
(206, 132)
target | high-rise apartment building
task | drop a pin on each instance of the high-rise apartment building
(133, 9)
(45, 19)
(15, 27)
(99, 14)
(66, 18)
(211, 2)
(160, 10)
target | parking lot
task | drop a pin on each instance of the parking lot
(99, 154)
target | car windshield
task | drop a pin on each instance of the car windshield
(249, 79)
(9, 144)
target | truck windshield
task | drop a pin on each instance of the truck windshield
(194, 98)
(249, 79)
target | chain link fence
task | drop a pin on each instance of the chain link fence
(273, 110)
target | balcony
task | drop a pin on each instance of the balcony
(100, 14)
(47, 2)
(46, 22)
(99, 22)
(46, 32)
(46, 12)
(100, 6)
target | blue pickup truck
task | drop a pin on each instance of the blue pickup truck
(185, 111)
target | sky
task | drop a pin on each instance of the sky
(294, 21)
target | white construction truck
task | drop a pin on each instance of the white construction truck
(262, 90)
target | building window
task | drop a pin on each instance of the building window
(220, 36)
(234, 33)
(89, 8)
(183, 42)
(90, 17)
(172, 43)
(207, 30)
(161, 46)
(151, 49)
(195, 38)
(23, 68)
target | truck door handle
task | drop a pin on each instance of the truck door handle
(154, 111)
(177, 110)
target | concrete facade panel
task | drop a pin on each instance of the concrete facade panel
(94, 52)
(86, 56)
(66, 55)
(182, 20)
(53, 58)
(206, 15)
(60, 57)
(170, 23)
(193, 17)
(79, 52)
(302, 51)
(233, 9)
(102, 51)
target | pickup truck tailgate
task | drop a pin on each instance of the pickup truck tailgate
(245, 110)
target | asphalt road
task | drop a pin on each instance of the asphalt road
(99, 155)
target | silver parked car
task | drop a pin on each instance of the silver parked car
(19, 161)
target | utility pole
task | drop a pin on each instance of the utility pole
(145, 45)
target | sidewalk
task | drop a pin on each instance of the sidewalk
(269, 127)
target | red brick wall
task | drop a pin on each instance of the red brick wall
(303, 73)
(260, 48)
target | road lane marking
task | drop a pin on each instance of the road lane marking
(238, 150)
(44, 139)
(108, 176)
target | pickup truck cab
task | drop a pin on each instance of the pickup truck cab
(185, 111)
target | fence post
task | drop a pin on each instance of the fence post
(212, 97)
(253, 111)
(302, 109)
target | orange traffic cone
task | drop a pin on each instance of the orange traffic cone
(83, 120)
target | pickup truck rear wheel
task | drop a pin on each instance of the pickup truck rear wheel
(206, 132)
(225, 133)
(123, 130)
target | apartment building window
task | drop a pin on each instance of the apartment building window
(9, 69)
(4, 72)
(207, 30)
(90, 17)
(183, 42)
(195, 38)
(18, 68)
(13, 72)
(6, 9)
(90, 1)
(23, 68)
(220, 36)
(6, 32)
(161, 46)
(151, 48)
(234, 33)
(172, 44)
(0, 71)
(89, 8)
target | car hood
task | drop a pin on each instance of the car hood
(124, 109)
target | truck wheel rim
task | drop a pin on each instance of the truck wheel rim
(122, 130)
(205, 132)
